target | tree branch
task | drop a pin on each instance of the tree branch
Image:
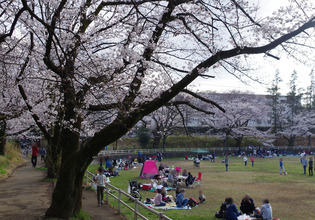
(203, 99)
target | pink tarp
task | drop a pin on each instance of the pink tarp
(149, 169)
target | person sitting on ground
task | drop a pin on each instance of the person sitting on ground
(221, 213)
(161, 167)
(184, 173)
(165, 197)
(231, 210)
(202, 198)
(265, 211)
(109, 165)
(196, 161)
(158, 199)
(181, 201)
(247, 205)
(189, 180)
(177, 192)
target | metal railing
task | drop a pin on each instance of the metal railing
(90, 179)
(210, 149)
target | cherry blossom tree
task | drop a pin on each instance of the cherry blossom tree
(300, 125)
(122, 60)
(237, 121)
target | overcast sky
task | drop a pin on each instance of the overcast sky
(265, 68)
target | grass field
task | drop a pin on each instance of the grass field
(291, 196)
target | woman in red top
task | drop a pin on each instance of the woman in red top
(34, 155)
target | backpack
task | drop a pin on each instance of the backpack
(192, 202)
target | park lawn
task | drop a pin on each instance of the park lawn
(291, 196)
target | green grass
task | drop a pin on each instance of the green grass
(81, 216)
(291, 196)
(10, 160)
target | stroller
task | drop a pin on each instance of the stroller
(133, 190)
(196, 163)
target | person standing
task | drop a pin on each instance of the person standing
(245, 160)
(34, 155)
(100, 181)
(282, 169)
(310, 167)
(304, 163)
(252, 159)
(43, 154)
(226, 161)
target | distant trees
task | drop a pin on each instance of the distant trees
(241, 109)
(275, 104)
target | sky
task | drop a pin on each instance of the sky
(265, 69)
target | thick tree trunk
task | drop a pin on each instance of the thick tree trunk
(53, 159)
(67, 195)
(309, 140)
(2, 136)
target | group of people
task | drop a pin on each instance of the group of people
(174, 177)
(310, 164)
(161, 197)
(229, 210)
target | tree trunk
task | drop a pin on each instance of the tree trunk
(309, 140)
(238, 141)
(67, 195)
(163, 142)
(156, 141)
(53, 159)
(2, 136)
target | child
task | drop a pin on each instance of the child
(282, 167)
(252, 158)
(245, 160)
(100, 180)
(202, 198)
(158, 199)
(310, 167)
(226, 161)
(181, 201)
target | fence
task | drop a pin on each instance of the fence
(89, 179)
(211, 149)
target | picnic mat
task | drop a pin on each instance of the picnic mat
(167, 189)
(171, 205)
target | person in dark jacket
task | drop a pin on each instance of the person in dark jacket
(231, 210)
(247, 205)
(189, 180)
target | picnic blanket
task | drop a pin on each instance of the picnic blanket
(171, 205)
(167, 189)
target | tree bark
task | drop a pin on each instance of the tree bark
(67, 195)
(156, 141)
(2, 136)
(53, 159)
(238, 141)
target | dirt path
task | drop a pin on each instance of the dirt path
(24, 196)
(89, 204)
